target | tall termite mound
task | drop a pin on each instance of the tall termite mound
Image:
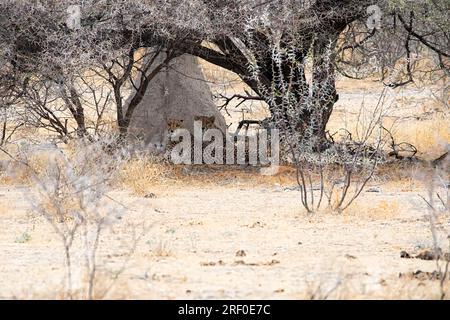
(175, 98)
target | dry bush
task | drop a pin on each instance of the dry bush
(141, 173)
(16, 171)
(335, 177)
(429, 136)
(438, 210)
(160, 247)
(69, 188)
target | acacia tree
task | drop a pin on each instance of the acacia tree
(271, 49)
(287, 51)
(49, 60)
(275, 45)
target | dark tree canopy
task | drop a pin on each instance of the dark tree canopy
(271, 45)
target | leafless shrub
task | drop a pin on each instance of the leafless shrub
(328, 167)
(277, 39)
(438, 206)
(320, 291)
(71, 192)
(337, 176)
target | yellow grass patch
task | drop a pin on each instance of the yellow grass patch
(141, 174)
(429, 136)
(373, 210)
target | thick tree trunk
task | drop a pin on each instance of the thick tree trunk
(313, 101)
(323, 86)
(303, 110)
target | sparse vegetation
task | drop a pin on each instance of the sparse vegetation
(356, 91)
(70, 191)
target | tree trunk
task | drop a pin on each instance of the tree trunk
(323, 86)
(79, 113)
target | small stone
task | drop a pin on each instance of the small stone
(241, 253)
(405, 255)
(150, 196)
(257, 224)
(273, 262)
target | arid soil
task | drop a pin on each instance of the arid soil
(232, 241)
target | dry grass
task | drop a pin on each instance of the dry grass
(374, 210)
(430, 136)
(141, 174)
(19, 174)
(402, 176)
(161, 248)
(429, 133)
(387, 290)
(347, 84)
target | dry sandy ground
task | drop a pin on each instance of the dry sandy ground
(191, 249)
